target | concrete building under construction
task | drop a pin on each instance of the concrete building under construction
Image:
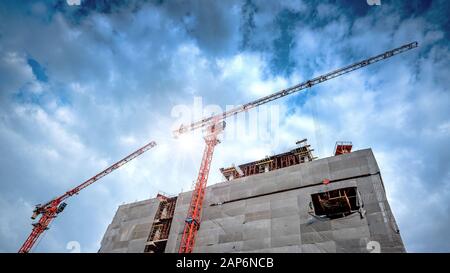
(290, 202)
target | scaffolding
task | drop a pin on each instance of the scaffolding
(336, 203)
(159, 233)
(342, 147)
(299, 155)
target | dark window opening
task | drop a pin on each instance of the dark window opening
(159, 232)
(336, 203)
(156, 247)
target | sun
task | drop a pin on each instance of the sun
(189, 142)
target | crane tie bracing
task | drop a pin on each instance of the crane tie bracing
(216, 124)
(51, 209)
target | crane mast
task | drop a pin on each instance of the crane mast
(193, 219)
(51, 209)
(192, 222)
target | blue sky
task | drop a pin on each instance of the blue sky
(83, 85)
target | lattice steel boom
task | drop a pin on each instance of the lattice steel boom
(50, 210)
(295, 88)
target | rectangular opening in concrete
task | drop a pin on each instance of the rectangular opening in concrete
(336, 203)
(159, 233)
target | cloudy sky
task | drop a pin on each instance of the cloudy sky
(83, 85)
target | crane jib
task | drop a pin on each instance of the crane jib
(297, 88)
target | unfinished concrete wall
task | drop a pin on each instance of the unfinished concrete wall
(130, 228)
(269, 212)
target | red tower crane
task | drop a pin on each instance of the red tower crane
(51, 209)
(215, 124)
(195, 207)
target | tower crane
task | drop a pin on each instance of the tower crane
(51, 209)
(216, 124)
